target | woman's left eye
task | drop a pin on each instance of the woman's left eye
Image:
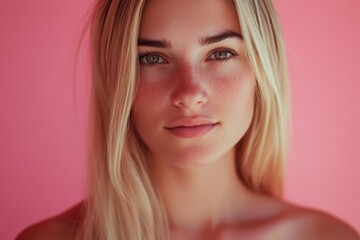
(221, 55)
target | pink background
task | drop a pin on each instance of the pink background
(42, 124)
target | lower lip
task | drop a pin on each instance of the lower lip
(192, 132)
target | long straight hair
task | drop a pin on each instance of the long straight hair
(122, 203)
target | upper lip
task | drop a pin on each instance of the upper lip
(191, 122)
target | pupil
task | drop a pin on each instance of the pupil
(221, 54)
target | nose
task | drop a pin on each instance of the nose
(190, 92)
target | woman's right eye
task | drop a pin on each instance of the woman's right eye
(151, 59)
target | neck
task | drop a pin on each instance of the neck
(201, 197)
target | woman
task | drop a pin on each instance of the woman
(190, 108)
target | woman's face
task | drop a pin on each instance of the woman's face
(195, 97)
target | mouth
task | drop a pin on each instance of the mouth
(194, 127)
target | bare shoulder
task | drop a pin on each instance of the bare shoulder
(305, 223)
(62, 226)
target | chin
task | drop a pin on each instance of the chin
(194, 157)
(189, 163)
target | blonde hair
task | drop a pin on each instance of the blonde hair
(122, 202)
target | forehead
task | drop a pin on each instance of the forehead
(166, 19)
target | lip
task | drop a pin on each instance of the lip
(191, 127)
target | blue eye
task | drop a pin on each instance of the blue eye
(151, 59)
(222, 54)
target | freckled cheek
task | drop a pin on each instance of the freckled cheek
(234, 88)
(150, 96)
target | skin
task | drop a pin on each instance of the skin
(196, 177)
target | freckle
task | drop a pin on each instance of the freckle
(154, 93)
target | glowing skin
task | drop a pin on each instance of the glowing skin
(192, 75)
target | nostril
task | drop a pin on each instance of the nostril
(190, 100)
(190, 91)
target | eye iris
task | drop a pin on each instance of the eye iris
(221, 55)
(152, 58)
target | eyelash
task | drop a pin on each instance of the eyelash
(151, 53)
(221, 49)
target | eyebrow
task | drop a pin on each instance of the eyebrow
(203, 41)
(219, 37)
(154, 43)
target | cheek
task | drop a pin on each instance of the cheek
(153, 87)
(149, 97)
(235, 102)
(235, 98)
(146, 103)
(235, 90)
